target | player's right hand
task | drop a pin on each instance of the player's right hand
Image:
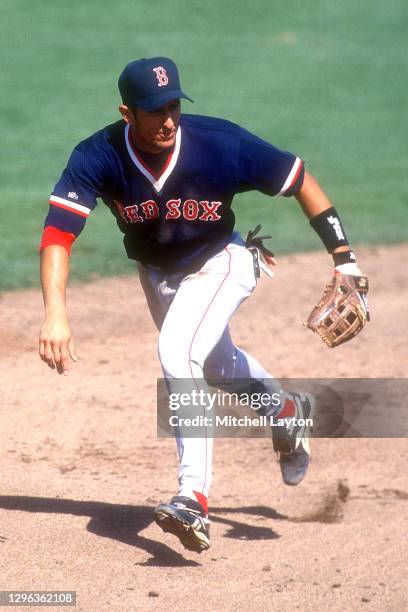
(56, 345)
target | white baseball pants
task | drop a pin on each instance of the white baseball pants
(192, 313)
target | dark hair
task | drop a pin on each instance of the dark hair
(132, 108)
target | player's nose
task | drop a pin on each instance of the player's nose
(170, 116)
(168, 119)
(169, 122)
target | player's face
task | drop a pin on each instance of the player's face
(155, 130)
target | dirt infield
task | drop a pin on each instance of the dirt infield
(82, 467)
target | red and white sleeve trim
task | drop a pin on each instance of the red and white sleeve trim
(292, 177)
(78, 209)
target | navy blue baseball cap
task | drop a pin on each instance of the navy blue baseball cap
(150, 83)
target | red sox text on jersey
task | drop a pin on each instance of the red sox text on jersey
(191, 210)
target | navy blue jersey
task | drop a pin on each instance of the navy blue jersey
(177, 219)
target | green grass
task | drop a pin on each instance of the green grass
(324, 79)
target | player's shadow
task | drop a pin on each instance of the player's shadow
(124, 523)
(243, 531)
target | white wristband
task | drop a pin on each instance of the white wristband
(348, 268)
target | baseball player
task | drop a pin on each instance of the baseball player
(169, 180)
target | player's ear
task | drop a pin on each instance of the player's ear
(126, 113)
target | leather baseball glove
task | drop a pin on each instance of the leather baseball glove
(342, 311)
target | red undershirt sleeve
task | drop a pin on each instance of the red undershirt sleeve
(52, 235)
